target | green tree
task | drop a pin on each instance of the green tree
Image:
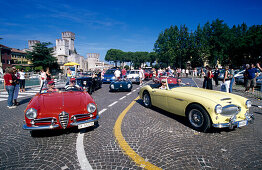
(41, 55)
(114, 55)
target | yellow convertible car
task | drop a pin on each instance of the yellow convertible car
(203, 108)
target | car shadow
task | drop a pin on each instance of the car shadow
(59, 132)
(25, 100)
(183, 120)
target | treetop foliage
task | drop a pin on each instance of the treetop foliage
(211, 43)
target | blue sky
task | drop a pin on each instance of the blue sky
(129, 25)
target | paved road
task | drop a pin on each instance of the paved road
(159, 137)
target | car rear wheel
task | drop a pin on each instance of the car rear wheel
(147, 100)
(198, 118)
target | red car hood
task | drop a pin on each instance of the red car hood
(51, 104)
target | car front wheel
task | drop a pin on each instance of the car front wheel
(147, 100)
(198, 118)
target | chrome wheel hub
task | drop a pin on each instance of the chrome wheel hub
(196, 118)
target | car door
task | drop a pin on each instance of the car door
(176, 103)
(159, 98)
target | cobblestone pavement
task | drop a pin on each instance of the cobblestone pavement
(161, 138)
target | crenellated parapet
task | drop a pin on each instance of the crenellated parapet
(60, 42)
(68, 34)
(31, 43)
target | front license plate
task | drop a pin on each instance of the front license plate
(242, 123)
(84, 125)
(108, 79)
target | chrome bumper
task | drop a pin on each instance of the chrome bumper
(25, 127)
(233, 123)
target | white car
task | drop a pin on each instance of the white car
(133, 76)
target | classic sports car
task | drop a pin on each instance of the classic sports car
(109, 76)
(171, 80)
(89, 83)
(148, 74)
(121, 85)
(60, 109)
(203, 108)
(133, 76)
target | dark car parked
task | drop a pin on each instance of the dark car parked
(89, 83)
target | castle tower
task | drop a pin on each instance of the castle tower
(70, 37)
(31, 43)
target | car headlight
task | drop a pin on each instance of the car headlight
(31, 113)
(129, 86)
(112, 86)
(218, 109)
(113, 77)
(91, 107)
(248, 104)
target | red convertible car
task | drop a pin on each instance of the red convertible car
(171, 80)
(60, 108)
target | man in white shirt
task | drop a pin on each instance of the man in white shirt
(117, 74)
(22, 80)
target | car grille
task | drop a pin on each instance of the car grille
(63, 119)
(230, 110)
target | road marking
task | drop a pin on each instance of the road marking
(122, 98)
(84, 164)
(128, 94)
(112, 104)
(2, 99)
(3, 95)
(134, 90)
(141, 162)
(103, 110)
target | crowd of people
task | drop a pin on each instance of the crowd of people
(14, 81)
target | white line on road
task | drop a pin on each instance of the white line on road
(2, 99)
(103, 110)
(122, 98)
(112, 104)
(128, 94)
(134, 90)
(3, 95)
(81, 152)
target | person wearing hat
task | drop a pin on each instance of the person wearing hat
(72, 84)
(51, 86)
(163, 84)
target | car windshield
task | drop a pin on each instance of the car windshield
(181, 82)
(133, 72)
(61, 87)
(110, 71)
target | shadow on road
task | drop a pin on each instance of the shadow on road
(59, 132)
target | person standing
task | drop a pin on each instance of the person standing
(68, 75)
(16, 81)
(42, 78)
(204, 73)
(216, 74)
(8, 85)
(48, 75)
(251, 75)
(117, 74)
(246, 76)
(141, 75)
(232, 81)
(123, 72)
(22, 80)
(226, 81)
(209, 78)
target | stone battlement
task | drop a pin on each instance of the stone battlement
(68, 34)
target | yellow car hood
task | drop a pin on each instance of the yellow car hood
(215, 96)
